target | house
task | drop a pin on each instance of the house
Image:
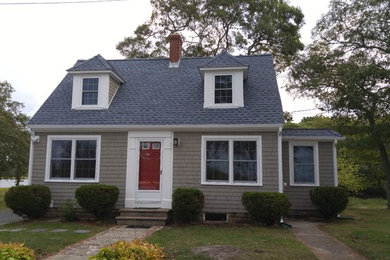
(150, 126)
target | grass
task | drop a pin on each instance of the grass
(46, 242)
(369, 232)
(2, 202)
(254, 241)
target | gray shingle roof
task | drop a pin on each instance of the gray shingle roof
(222, 60)
(310, 133)
(96, 63)
(154, 94)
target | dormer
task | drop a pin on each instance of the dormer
(223, 79)
(95, 83)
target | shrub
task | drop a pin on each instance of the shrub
(32, 201)
(98, 199)
(68, 212)
(187, 204)
(266, 207)
(126, 250)
(16, 251)
(330, 201)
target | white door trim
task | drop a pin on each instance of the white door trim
(132, 198)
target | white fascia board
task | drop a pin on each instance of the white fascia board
(243, 68)
(115, 76)
(313, 138)
(211, 128)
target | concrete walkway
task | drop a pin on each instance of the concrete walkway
(84, 249)
(321, 244)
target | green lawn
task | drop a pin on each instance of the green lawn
(369, 233)
(254, 242)
(46, 242)
(2, 203)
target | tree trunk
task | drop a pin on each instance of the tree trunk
(386, 169)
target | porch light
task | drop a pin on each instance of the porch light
(176, 142)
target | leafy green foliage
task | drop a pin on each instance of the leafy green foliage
(98, 199)
(348, 173)
(209, 26)
(130, 250)
(32, 201)
(16, 251)
(266, 207)
(347, 68)
(187, 204)
(14, 137)
(68, 212)
(330, 201)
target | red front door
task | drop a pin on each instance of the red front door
(149, 166)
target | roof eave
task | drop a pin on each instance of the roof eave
(113, 74)
(245, 68)
(313, 138)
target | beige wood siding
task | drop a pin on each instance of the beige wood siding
(112, 166)
(224, 199)
(112, 89)
(300, 196)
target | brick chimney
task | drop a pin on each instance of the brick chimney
(175, 43)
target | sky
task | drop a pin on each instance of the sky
(38, 43)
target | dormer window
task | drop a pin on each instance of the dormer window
(95, 83)
(223, 78)
(90, 91)
(223, 93)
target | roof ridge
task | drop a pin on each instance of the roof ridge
(222, 54)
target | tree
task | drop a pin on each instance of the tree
(208, 26)
(14, 137)
(347, 69)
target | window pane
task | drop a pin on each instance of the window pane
(217, 150)
(303, 154)
(223, 89)
(60, 168)
(90, 98)
(61, 149)
(245, 171)
(85, 169)
(304, 165)
(245, 150)
(86, 149)
(90, 91)
(90, 84)
(217, 171)
(303, 173)
(85, 165)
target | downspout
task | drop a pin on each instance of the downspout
(31, 158)
(335, 174)
(280, 165)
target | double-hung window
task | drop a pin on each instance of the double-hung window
(90, 91)
(231, 160)
(304, 164)
(73, 158)
(223, 93)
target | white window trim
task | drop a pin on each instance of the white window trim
(237, 89)
(230, 139)
(103, 90)
(316, 163)
(97, 105)
(73, 138)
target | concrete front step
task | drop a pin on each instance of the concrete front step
(142, 217)
(128, 212)
(141, 221)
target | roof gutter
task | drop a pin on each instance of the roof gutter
(187, 128)
(313, 138)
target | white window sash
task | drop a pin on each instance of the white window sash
(315, 163)
(72, 138)
(231, 140)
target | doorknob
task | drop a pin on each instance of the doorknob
(160, 172)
